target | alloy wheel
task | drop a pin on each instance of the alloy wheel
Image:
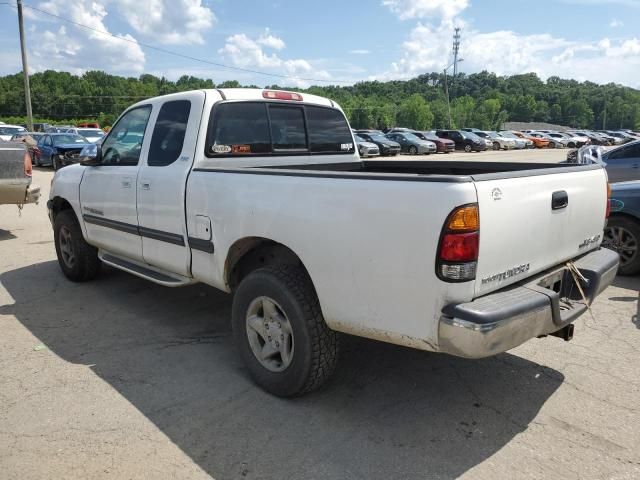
(270, 334)
(66, 247)
(621, 240)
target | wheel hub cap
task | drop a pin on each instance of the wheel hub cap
(66, 248)
(270, 334)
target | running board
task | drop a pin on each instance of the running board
(145, 271)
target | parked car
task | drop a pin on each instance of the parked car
(466, 141)
(8, 131)
(412, 144)
(386, 146)
(59, 149)
(88, 125)
(538, 142)
(366, 149)
(91, 134)
(622, 233)
(575, 141)
(498, 142)
(623, 162)
(58, 129)
(521, 143)
(243, 196)
(15, 175)
(621, 137)
(551, 141)
(593, 139)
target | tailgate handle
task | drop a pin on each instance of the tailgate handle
(559, 200)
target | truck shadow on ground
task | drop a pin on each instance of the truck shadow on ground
(6, 235)
(389, 412)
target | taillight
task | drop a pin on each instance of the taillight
(459, 245)
(608, 200)
(279, 95)
(28, 168)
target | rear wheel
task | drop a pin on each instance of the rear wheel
(78, 260)
(623, 236)
(571, 145)
(280, 332)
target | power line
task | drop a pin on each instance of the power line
(170, 52)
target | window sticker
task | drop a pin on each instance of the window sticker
(346, 146)
(240, 148)
(221, 149)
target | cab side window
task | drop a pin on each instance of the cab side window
(169, 132)
(124, 142)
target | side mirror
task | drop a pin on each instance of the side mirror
(91, 155)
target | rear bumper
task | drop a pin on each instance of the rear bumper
(505, 319)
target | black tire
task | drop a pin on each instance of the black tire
(315, 346)
(571, 145)
(86, 264)
(55, 164)
(630, 262)
(496, 146)
(413, 150)
(467, 148)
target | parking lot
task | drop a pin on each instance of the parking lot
(123, 378)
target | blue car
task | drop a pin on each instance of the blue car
(59, 149)
(622, 232)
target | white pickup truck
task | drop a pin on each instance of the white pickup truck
(262, 193)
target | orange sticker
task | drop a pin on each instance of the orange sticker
(240, 148)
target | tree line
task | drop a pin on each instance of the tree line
(482, 100)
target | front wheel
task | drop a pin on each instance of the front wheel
(413, 150)
(55, 163)
(496, 146)
(622, 235)
(78, 260)
(280, 331)
(467, 148)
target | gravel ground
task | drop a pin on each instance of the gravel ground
(121, 378)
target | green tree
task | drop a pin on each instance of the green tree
(415, 113)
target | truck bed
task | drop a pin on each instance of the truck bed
(454, 171)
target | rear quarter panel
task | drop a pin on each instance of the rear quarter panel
(369, 245)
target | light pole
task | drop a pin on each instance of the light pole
(446, 86)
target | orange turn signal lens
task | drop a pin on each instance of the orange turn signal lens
(464, 219)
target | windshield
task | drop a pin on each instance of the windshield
(11, 130)
(91, 132)
(378, 137)
(412, 137)
(359, 139)
(430, 136)
(470, 136)
(508, 135)
(66, 139)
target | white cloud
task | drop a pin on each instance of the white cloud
(615, 23)
(78, 49)
(246, 52)
(408, 9)
(428, 48)
(270, 41)
(168, 21)
(360, 51)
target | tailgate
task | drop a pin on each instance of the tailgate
(521, 233)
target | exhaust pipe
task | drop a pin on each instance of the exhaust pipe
(565, 333)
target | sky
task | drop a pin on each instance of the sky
(326, 42)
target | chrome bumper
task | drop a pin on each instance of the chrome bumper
(505, 319)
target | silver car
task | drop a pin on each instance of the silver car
(366, 149)
(409, 143)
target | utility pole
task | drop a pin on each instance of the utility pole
(456, 49)
(446, 91)
(25, 69)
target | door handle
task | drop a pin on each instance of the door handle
(126, 183)
(145, 185)
(635, 165)
(559, 200)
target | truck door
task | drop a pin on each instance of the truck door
(108, 190)
(162, 183)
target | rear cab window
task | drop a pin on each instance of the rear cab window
(259, 128)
